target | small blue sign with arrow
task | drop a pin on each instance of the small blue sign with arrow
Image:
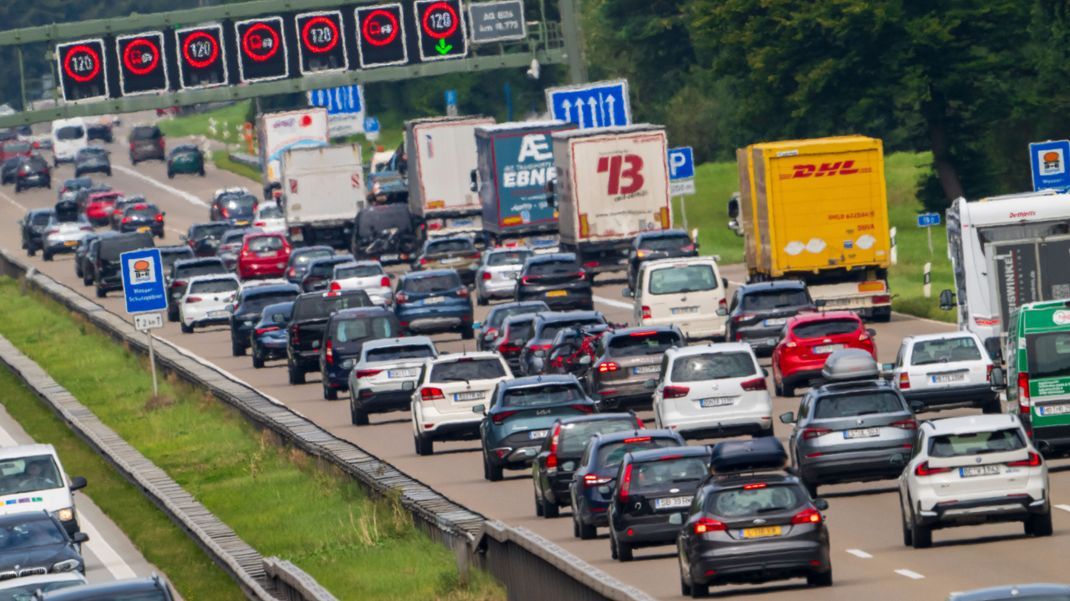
(599, 104)
(928, 219)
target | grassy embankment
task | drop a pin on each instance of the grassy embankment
(276, 498)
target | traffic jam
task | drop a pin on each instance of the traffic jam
(453, 285)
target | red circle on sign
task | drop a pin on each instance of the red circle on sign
(372, 19)
(453, 19)
(247, 39)
(136, 47)
(93, 57)
(320, 20)
(195, 62)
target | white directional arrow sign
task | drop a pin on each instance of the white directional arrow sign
(612, 116)
(594, 112)
(567, 105)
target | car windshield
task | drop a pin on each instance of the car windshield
(144, 133)
(546, 394)
(976, 443)
(26, 591)
(17, 147)
(682, 278)
(766, 300)
(239, 205)
(27, 474)
(498, 316)
(573, 438)
(362, 328)
(431, 284)
(322, 305)
(713, 366)
(611, 454)
(31, 533)
(553, 268)
(641, 343)
(397, 353)
(41, 218)
(448, 246)
(651, 476)
(467, 369)
(550, 330)
(855, 404)
(520, 330)
(70, 132)
(357, 271)
(754, 499)
(214, 231)
(261, 244)
(210, 268)
(666, 242)
(213, 287)
(304, 258)
(256, 304)
(945, 350)
(270, 212)
(826, 327)
(111, 248)
(512, 257)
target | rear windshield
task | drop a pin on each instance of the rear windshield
(277, 315)
(265, 244)
(978, 443)
(306, 257)
(144, 133)
(24, 474)
(829, 327)
(201, 232)
(111, 248)
(765, 300)
(642, 343)
(573, 438)
(445, 246)
(467, 369)
(149, 211)
(513, 257)
(371, 222)
(397, 353)
(536, 396)
(854, 405)
(170, 257)
(666, 242)
(550, 330)
(270, 212)
(184, 271)
(741, 502)
(1049, 354)
(658, 475)
(258, 302)
(243, 205)
(498, 316)
(357, 271)
(432, 283)
(70, 132)
(684, 278)
(41, 218)
(520, 330)
(362, 328)
(713, 366)
(544, 268)
(324, 269)
(322, 305)
(213, 287)
(92, 151)
(613, 453)
(945, 351)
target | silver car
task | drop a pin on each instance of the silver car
(386, 374)
(63, 236)
(497, 273)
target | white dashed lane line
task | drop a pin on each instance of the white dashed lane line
(186, 196)
(860, 553)
(612, 303)
(1063, 507)
(909, 574)
(12, 201)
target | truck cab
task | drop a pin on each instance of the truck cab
(1037, 351)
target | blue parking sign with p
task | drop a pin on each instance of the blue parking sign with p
(143, 280)
(681, 163)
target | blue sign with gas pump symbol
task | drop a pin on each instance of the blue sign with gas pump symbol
(143, 280)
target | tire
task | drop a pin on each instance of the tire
(777, 389)
(170, 174)
(482, 302)
(624, 550)
(31, 251)
(1039, 525)
(992, 407)
(108, 172)
(424, 446)
(908, 533)
(172, 315)
(538, 507)
(186, 329)
(467, 333)
(258, 360)
(698, 591)
(47, 256)
(882, 315)
(587, 531)
(492, 473)
(201, 172)
(685, 588)
(550, 510)
(133, 161)
(296, 374)
(921, 536)
(820, 579)
(357, 417)
(88, 281)
(811, 487)
(329, 394)
(788, 391)
(237, 349)
(101, 293)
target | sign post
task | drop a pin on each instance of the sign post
(895, 249)
(929, 221)
(145, 296)
(682, 176)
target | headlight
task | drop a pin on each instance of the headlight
(67, 565)
(66, 514)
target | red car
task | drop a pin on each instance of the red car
(263, 256)
(100, 206)
(807, 342)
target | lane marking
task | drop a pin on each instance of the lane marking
(186, 196)
(611, 302)
(910, 574)
(1063, 507)
(860, 553)
(12, 201)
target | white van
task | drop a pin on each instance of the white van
(32, 478)
(68, 137)
(687, 292)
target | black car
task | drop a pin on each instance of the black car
(121, 204)
(343, 339)
(490, 328)
(758, 312)
(143, 217)
(552, 470)
(319, 271)
(35, 542)
(32, 226)
(516, 331)
(248, 308)
(106, 276)
(592, 485)
(556, 279)
(628, 361)
(385, 233)
(181, 272)
(33, 172)
(662, 244)
(653, 494)
(268, 339)
(99, 131)
(169, 255)
(146, 142)
(92, 159)
(301, 257)
(153, 588)
(80, 253)
(204, 238)
(89, 260)
(305, 332)
(535, 352)
(8, 169)
(238, 208)
(752, 523)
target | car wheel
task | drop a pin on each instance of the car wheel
(1039, 525)
(921, 535)
(133, 161)
(186, 329)
(424, 446)
(171, 314)
(811, 487)
(538, 507)
(46, 255)
(201, 172)
(480, 300)
(624, 551)
(491, 472)
(467, 333)
(258, 359)
(699, 591)
(685, 588)
(237, 349)
(329, 394)
(170, 174)
(358, 417)
(820, 579)
(108, 172)
(991, 407)
(908, 534)
(297, 375)
(88, 281)
(550, 510)
(101, 293)
(587, 531)
(777, 388)
(30, 251)
(882, 315)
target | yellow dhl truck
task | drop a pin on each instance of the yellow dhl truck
(817, 210)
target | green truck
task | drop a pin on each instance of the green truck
(1037, 354)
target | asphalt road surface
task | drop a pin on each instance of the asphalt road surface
(869, 559)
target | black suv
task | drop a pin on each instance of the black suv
(758, 312)
(491, 328)
(33, 225)
(310, 314)
(237, 207)
(385, 233)
(557, 279)
(106, 275)
(535, 352)
(248, 307)
(180, 274)
(204, 238)
(343, 339)
(664, 244)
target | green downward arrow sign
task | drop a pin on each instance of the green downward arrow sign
(442, 47)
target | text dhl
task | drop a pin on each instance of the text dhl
(825, 169)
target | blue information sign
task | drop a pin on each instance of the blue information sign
(143, 280)
(928, 219)
(1048, 162)
(681, 163)
(599, 104)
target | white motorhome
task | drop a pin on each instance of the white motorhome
(1006, 251)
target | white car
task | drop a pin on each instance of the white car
(385, 376)
(687, 292)
(269, 218)
(970, 470)
(497, 273)
(448, 388)
(945, 370)
(24, 587)
(368, 276)
(64, 236)
(208, 300)
(713, 390)
(32, 479)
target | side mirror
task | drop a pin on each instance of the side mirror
(474, 177)
(787, 418)
(947, 300)
(584, 360)
(995, 352)
(626, 292)
(80, 537)
(392, 276)
(917, 406)
(477, 324)
(733, 208)
(871, 332)
(724, 282)
(821, 504)
(78, 483)
(765, 372)
(480, 409)
(999, 379)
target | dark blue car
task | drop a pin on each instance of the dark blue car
(268, 338)
(344, 337)
(248, 308)
(434, 301)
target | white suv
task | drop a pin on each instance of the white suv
(448, 388)
(945, 370)
(713, 390)
(970, 470)
(208, 300)
(385, 376)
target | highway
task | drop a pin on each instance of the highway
(869, 558)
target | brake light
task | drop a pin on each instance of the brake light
(595, 480)
(906, 424)
(642, 333)
(646, 312)
(132, 145)
(581, 275)
(1033, 461)
(335, 287)
(1023, 393)
(401, 298)
(675, 392)
(385, 282)
(704, 525)
(126, 220)
(754, 486)
(193, 299)
(508, 347)
(754, 385)
(367, 373)
(807, 516)
(499, 418)
(540, 347)
(607, 366)
(295, 337)
(116, 211)
(328, 351)
(265, 330)
(475, 256)
(551, 459)
(259, 223)
(625, 483)
(809, 433)
(923, 469)
(904, 381)
(431, 394)
(583, 408)
(527, 279)
(486, 275)
(159, 217)
(423, 261)
(636, 439)
(988, 372)
(462, 291)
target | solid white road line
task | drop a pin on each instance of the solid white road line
(1063, 507)
(611, 302)
(12, 201)
(909, 574)
(860, 553)
(186, 196)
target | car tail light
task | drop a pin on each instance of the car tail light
(625, 483)
(807, 516)
(809, 433)
(116, 211)
(581, 275)
(266, 329)
(1023, 393)
(385, 282)
(882, 299)
(367, 373)
(499, 418)
(486, 275)
(476, 256)
(675, 392)
(590, 480)
(132, 146)
(687, 248)
(643, 333)
(743, 317)
(1033, 461)
(583, 408)
(904, 381)
(462, 291)
(590, 264)
(754, 385)
(159, 217)
(551, 458)
(528, 279)
(755, 486)
(159, 142)
(607, 366)
(423, 261)
(988, 372)
(540, 347)
(295, 335)
(401, 298)
(906, 424)
(193, 299)
(223, 211)
(431, 394)
(334, 287)
(508, 347)
(646, 312)
(328, 352)
(126, 220)
(705, 525)
(923, 469)
(292, 273)
(722, 305)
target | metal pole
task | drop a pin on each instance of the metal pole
(22, 78)
(152, 362)
(929, 231)
(683, 209)
(570, 29)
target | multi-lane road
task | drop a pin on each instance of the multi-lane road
(869, 558)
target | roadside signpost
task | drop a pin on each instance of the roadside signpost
(451, 103)
(145, 295)
(682, 176)
(497, 21)
(371, 128)
(929, 221)
(1048, 165)
(599, 104)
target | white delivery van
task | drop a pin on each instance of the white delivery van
(68, 137)
(687, 292)
(32, 479)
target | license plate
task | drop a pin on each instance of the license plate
(143, 229)
(779, 321)
(763, 532)
(461, 222)
(451, 260)
(434, 300)
(646, 369)
(70, 243)
(468, 396)
(946, 378)
(979, 470)
(719, 401)
(672, 503)
(388, 257)
(401, 373)
(557, 293)
(684, 310)
(218, 314)
(535, 434)
(862, 433)
(824, 349)
(1046, 410)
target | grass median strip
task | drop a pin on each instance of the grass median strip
(277, 499)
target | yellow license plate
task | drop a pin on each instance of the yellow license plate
(557, 293)
(70, 243)
(763, 532)
(143, 228)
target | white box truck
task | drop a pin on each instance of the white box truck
(323, 189)
(279, 132)
(441, 154)
(612, 184)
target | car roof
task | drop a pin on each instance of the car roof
(175, 248)
(711, 347)
(283, 306)
(550, 258)
(636, 331)
(528, 381)
(680, 261)
(452, 238)
(622, 435)
(852, 386)
(520, 317)
(401, 341)
(453, 357)
(212, 276)
(594, 417)
(736, 479)
(1015, 591)
(263, 234)
(268, 289)
(194, 261)
(518, 305)
(416, 275)
(943, 336)
(102, 590)
(333, 259)
(494, 251)
(659, 454)
(361, 263)
(24, 450)
(774, 285)
(672, 233)
(815, 316)
(41, 211)
(355, 312)
(972, 423)
(556, 316)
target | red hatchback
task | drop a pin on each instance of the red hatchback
(263, 256)
(100, 206)
(807, 342)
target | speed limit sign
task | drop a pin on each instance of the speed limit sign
(83, 70)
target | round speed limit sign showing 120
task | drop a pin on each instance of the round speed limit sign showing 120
(82, 69)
